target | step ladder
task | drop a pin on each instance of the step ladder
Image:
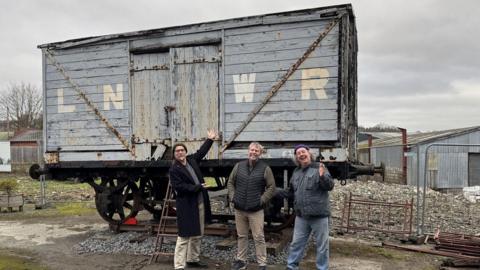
(168, 202)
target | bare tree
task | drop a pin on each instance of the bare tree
(23, 102)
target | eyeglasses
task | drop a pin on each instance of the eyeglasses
(180, 150)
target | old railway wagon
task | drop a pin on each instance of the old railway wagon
(115, 104)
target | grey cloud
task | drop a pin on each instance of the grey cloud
(410, 52)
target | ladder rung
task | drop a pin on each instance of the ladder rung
(161, 228)
(157, 253)
(166, 235)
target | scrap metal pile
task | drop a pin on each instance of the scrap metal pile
(465, 249)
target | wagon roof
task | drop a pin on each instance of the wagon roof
(422, 138)
(200, 27)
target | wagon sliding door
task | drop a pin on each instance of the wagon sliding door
(195, 94)
(151, 94)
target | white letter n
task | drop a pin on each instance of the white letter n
(110, 96)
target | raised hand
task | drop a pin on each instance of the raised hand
(211, 134)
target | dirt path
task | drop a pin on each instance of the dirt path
(49, 242)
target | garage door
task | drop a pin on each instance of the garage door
(474, 169)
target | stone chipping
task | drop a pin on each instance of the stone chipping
(448, 212)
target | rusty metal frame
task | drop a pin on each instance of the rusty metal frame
(386, 215)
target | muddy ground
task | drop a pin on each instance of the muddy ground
(44, 239)
(47, 241)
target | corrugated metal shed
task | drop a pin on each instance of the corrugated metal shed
(448, 166)
(31, 135)
(26, 149)
(363, 136)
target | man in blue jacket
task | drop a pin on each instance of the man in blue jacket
(309, 185)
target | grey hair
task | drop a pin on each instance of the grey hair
(312, 158)
(259, 146)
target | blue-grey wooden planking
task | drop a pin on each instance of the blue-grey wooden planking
(293, 84)
(266, 116)
(89, 156)
(285, 54)
(106, 62)
(173, 40)
(90, 67)
(283, 95)
(269, 53)
(84, 108)
(266, 45)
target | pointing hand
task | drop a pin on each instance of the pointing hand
(321, 169)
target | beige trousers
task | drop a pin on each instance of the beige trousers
(187, 249)
(254, 221)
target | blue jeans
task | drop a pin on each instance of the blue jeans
(301, 233)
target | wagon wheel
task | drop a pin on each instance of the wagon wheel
(279, 223)
(116, 199)
(276, 219)
(152, 192)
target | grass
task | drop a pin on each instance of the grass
(9, 261)
(32, 187)
(54, 190)
(62, 209)
(350, 249)
(64, 198)
(75, 208)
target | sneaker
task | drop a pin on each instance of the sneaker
(198, 264)
(239, 265)
(262, 267)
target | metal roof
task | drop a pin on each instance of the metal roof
(28, 136)
(377, 135)
(421, 138)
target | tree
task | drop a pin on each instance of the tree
(24, 105)
(381, 127)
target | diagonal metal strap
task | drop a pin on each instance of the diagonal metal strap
(89, 103)
(281, 82)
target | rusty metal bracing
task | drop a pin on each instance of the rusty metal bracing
(89, 103)
(281, 82)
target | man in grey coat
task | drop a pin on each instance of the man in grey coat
(309, 185)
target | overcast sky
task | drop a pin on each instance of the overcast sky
(419, 61)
